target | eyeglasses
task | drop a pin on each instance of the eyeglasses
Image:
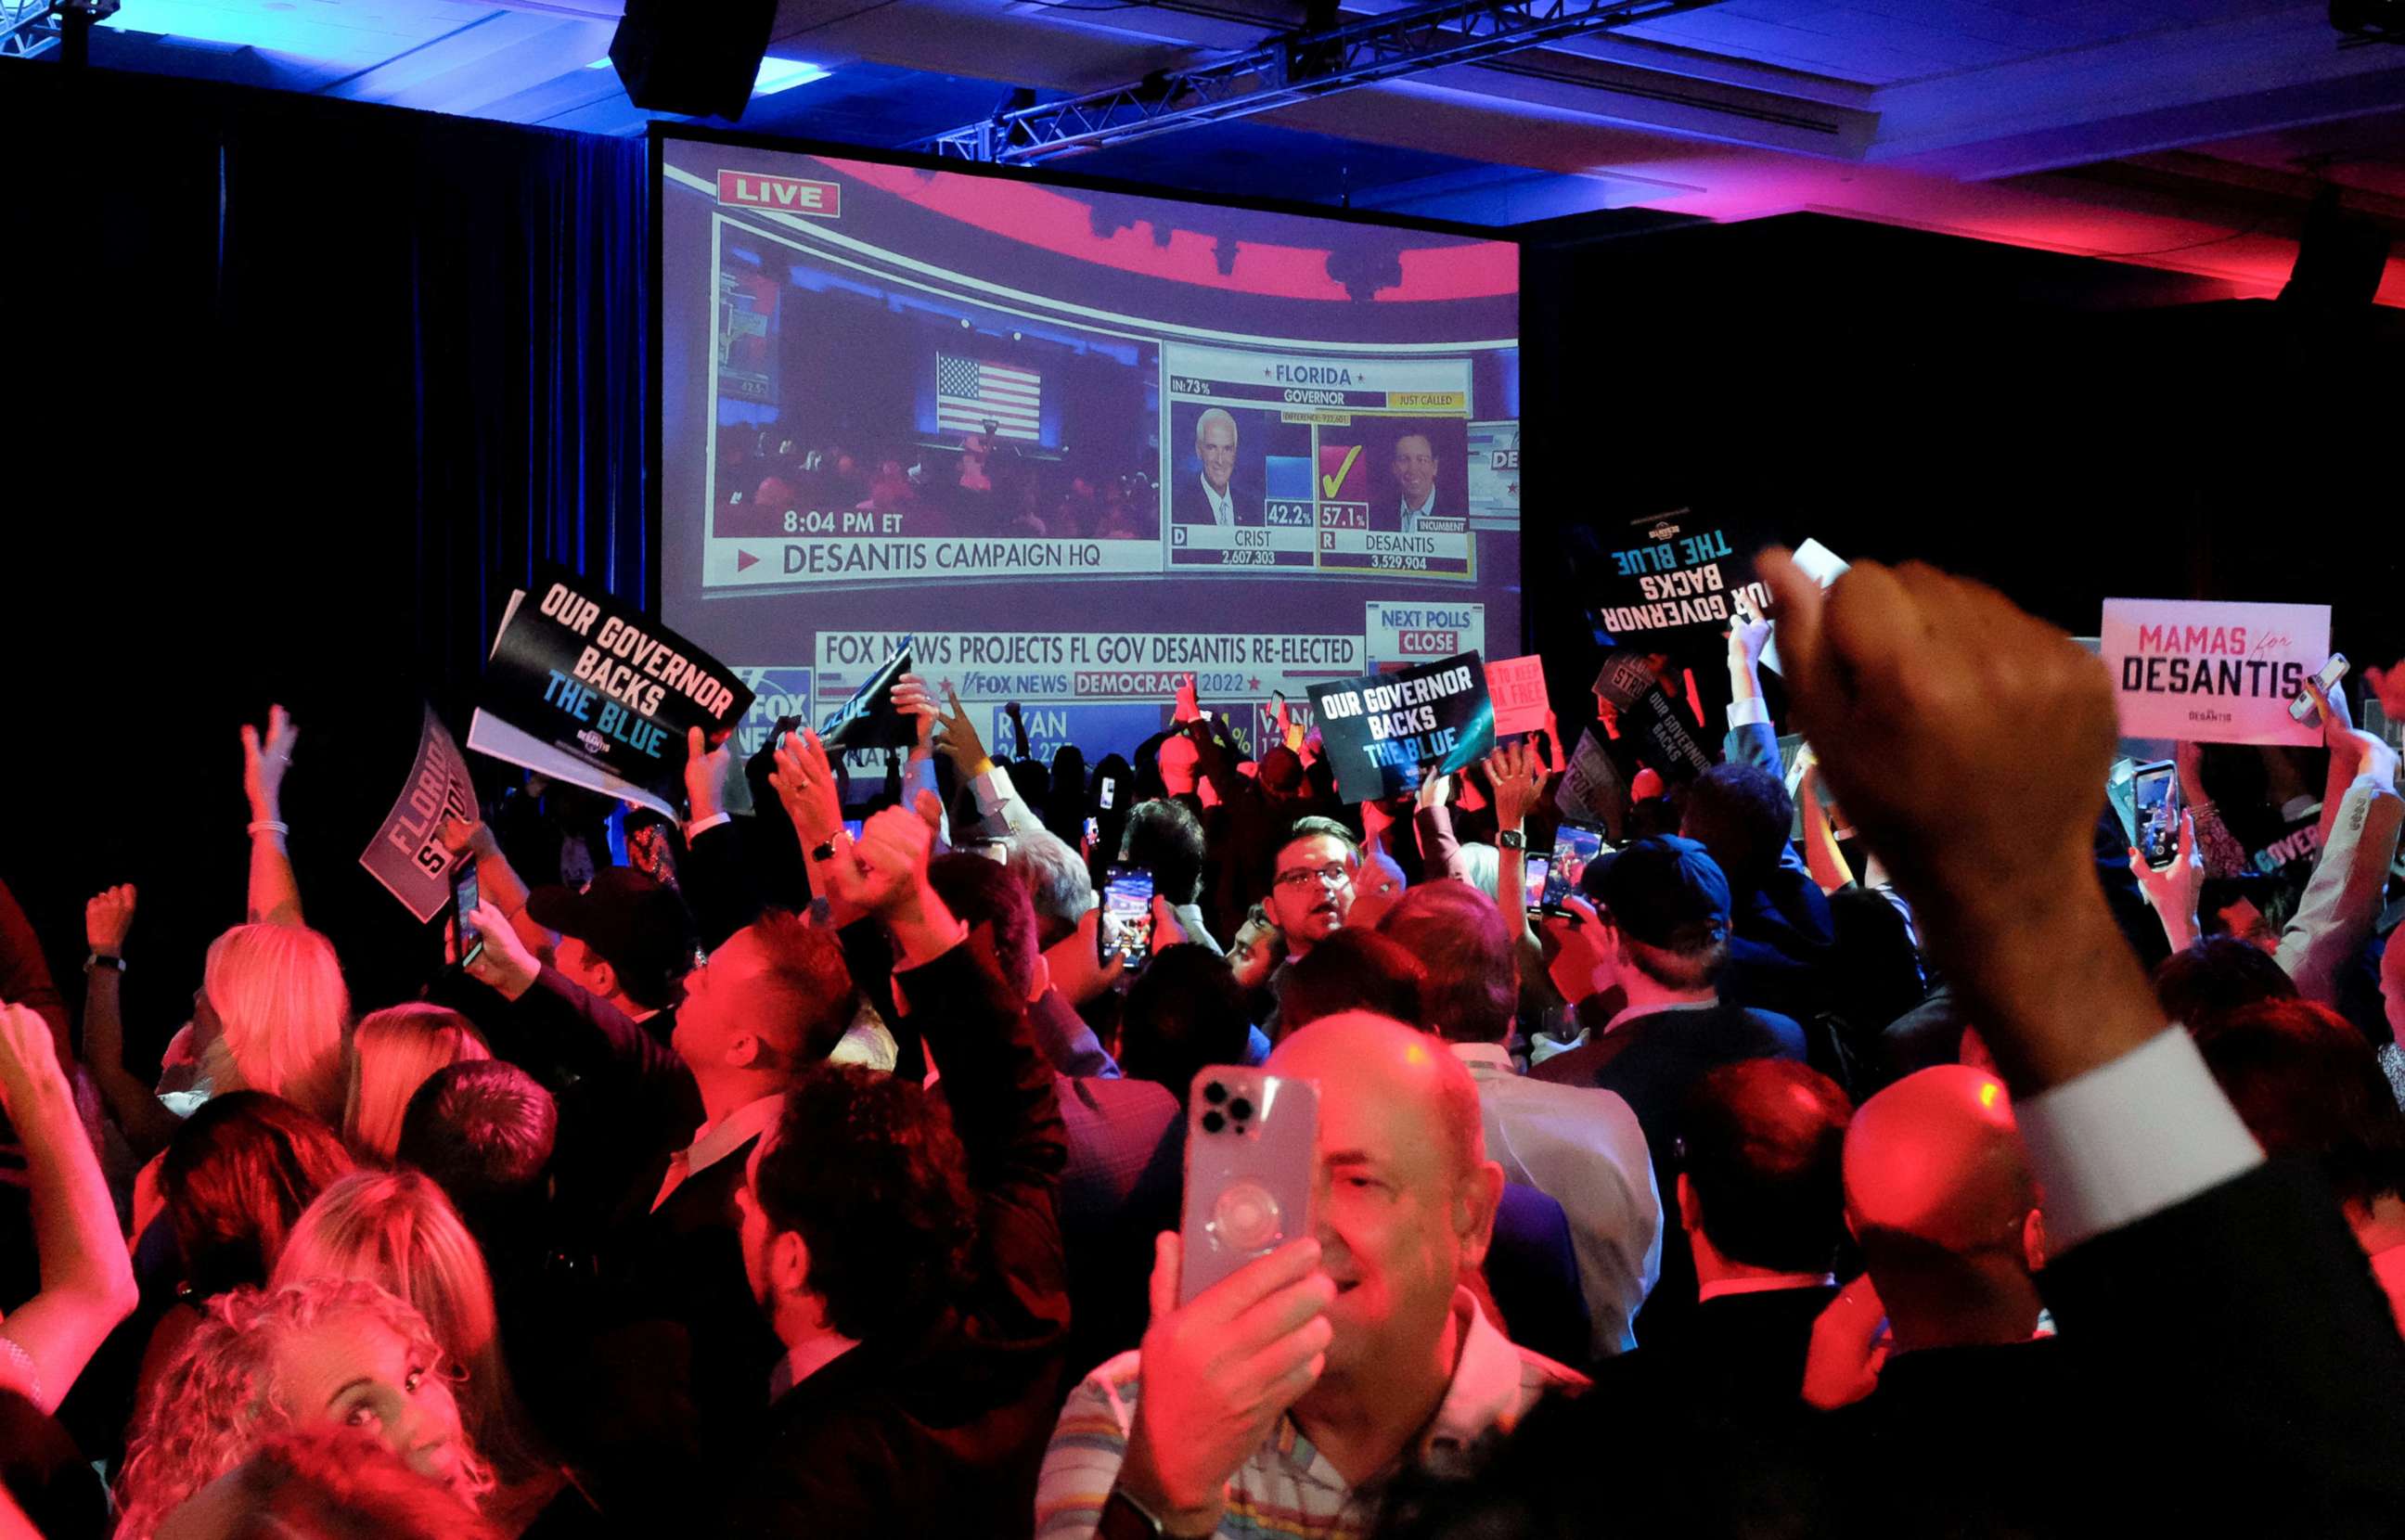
(1334, 875)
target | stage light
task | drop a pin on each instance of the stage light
(777, 75)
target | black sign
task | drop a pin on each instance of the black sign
(1386, 734)
(869, 719)
(1670, 572)
(591, 691)
(1649, 718)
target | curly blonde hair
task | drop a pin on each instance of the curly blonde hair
(217, 1402)
(398, 1231)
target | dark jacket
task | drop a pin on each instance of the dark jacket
(1652, 1062)
(942, 1432)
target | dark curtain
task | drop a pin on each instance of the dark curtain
(2065, 428)
(308, 387)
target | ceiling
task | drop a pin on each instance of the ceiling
(2187, 135)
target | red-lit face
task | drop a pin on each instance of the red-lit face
(353, 1369)
(1312, 891)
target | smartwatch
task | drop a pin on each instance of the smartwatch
(1511, 839)
(96, 960)
(1123, 1520)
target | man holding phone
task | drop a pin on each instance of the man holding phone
(1279, 1398)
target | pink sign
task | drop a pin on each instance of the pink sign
(1518, 688)
(2210, 672)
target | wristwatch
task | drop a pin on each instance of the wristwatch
(1511, 839)
(1123, 1519)
(824, 851)
(96, 960)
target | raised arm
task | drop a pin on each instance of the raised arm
(497, 882)
(996, 1081)
(1916, 687)
(1821, 856)
(87, 1276)
(1517, 775)
(2362, 816)
(25, 976)
(147, 1124)
(719, 881)
(2173, 892)
(275, 896)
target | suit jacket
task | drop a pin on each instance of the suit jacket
(1122, 1186)
(1533, 1277)
(1188, 504)
(1583, 1148)
(1739, 1364)
(1652, 1062)
(941, 1433)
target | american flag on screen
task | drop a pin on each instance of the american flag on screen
(971, 393)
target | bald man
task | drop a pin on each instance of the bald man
(1271, 1401)
(1939, 1195)
(1213, 496)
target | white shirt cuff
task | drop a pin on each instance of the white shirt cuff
(2131, 1138)
(994, 791)
(702, 825)
(1754, 712)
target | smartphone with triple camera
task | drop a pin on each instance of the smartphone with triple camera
(1252, 1139)
(1127, 917)
(2155, 789)
(464, 899)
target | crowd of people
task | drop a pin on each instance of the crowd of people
(795, 1181)
(984, 484)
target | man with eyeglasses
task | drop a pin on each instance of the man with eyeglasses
(1311, 892)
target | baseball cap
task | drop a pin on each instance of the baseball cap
(632, 923)
(1664, 890)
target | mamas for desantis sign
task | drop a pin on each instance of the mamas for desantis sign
(2209, 672)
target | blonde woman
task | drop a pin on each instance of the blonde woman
(393, 1051)
(398, 1231)
(329, 1354)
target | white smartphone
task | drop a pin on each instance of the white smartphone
(1252, 1144)
(2303, 708)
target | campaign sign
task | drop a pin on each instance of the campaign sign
(407, 854)
(1649, 718)
(2210, 672)
(1592, 792)
(1386, 734)
(869, 719)
(596, 693)
(1671, 571)
(1518, 686)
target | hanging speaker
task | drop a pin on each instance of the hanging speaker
(697, 56)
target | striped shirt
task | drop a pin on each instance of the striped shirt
(1287, 1491)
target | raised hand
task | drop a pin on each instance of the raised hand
(705, 770)
(469, 837)
(505, 963)
(264, 763)
(2336, 723)
(1435, 791)
(884, 874)
(107, 914)
(1517, 775)
(2174, 890)
(1587, 960)
(1920, 692)
(1189, 708)
(805, 783)
(1218, 1372)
